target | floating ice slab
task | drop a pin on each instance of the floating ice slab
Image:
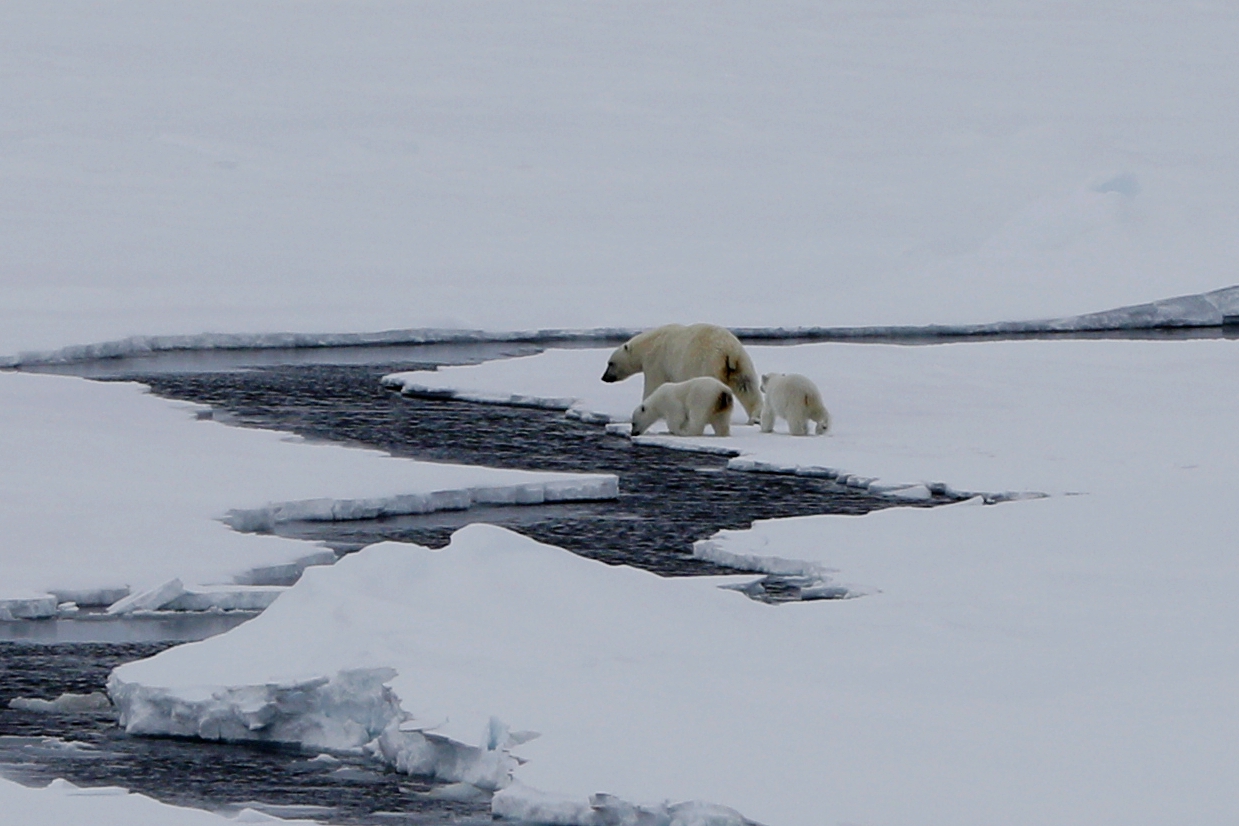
(67, 703)
(91, 597)
(110, 492)
(34, 606)
(584, 487)
(149, 600)
(225, 598)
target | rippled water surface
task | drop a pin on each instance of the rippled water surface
(668, 498)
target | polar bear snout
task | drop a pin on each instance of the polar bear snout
(610, 374)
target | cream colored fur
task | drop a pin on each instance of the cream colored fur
(795, 398)
(687, 407)
(675, 353)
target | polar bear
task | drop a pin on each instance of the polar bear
(674, 352)
(688, 406)
(796, 399)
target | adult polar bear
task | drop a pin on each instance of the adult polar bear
(674, 353)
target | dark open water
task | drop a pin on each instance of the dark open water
(668, 498)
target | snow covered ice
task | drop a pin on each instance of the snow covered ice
(559, 166)
(218, 174)
(513, 636)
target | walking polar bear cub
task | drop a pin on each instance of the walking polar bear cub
(675, 353)
(795, 398)
(687, 406)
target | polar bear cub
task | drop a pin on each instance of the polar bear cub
(674, 352)
(795, 398)
(687, 406)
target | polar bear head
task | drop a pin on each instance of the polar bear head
(643, 417)
(622, 364)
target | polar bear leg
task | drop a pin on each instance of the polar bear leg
(695, 422)
(767, 417)
(797, 423)
(679, 419)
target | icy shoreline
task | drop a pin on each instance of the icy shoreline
(1201, 310)
(119, 499)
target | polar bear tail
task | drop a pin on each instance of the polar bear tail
(723, 404)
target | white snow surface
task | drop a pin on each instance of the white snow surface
(312, 168)
(108, 490)
(1064, 660)
(62, 802)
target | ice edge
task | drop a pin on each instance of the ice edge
(264, 519)
(1211, 309)
(356, 711)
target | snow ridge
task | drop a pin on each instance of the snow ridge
(1210, 309)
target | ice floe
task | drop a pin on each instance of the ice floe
(31, 606)
(522, 643)
(114, 497)
(225, 598)
(67, 703)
